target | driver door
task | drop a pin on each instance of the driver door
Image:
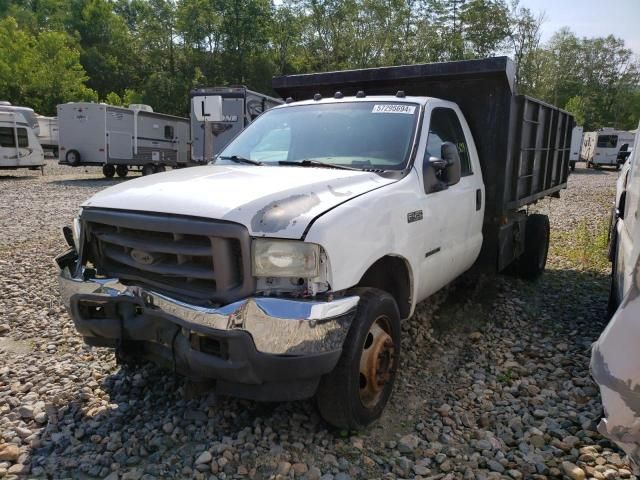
(451, 237)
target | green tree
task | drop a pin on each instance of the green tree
(42, 70)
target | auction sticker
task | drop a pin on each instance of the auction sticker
(389, 108)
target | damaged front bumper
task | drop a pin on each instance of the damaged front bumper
(261, 348)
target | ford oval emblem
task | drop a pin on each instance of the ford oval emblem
(144, 258)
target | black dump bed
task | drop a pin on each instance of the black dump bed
(523, 143)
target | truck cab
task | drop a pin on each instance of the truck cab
(284, 269)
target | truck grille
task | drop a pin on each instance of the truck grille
(190, 258)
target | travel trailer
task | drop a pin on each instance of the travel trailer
(19, 147)
(48, 135)
(28, 114)
(218, 114)
(576, 144)
(118, 138)
(602, 147)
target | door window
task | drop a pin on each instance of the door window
(168, 132)
(607, 141)
(23, 137)
(445, 127)
(6, 137)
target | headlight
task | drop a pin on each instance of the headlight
(285, 258)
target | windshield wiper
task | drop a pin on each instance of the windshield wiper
(237, 159)
(316, 163)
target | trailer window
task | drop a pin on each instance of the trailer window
(168, 132)
(6, 137)
(607, 141)
(23, 137)
(445, 127)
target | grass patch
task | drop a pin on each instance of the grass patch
(585, 247)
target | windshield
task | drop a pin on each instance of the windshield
(367, 135)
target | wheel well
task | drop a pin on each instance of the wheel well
(392, 275)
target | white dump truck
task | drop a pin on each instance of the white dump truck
(284, 270)
(118, 138)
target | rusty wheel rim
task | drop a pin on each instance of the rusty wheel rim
(377, 362)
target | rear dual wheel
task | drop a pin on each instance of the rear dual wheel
(533, 261)
(355, 393)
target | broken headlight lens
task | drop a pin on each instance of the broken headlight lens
(285, 258)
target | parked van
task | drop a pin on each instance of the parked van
(602, 147)
(19, 147)
(118, 138)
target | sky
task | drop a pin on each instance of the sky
(591, 18)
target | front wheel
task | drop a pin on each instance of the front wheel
(355, 393)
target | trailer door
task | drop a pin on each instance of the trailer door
(120, 145)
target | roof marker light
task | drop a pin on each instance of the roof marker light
(338, 94)
(317, 97)
(360, 94)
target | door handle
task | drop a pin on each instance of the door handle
(478, 199)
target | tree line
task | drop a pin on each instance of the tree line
(156, 51)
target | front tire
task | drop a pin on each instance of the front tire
(355, 393)
(532, 262)
(122, 171)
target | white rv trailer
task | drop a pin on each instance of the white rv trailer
(48, 135)
(602, 147)
(118, 138)
(218, 114)
(576, 144)
(19, 147)
(28, 114)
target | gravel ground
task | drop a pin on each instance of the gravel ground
(494, 382)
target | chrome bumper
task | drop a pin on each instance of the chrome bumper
(276, 325)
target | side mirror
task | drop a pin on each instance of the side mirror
(442, 172)
(453, 170)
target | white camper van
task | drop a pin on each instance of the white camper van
(19, 147)
(218, 114)
(28, 114)
(602, 147)
(118, 138)
(576, 143)
(48, 135)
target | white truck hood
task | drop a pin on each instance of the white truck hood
(269, 201)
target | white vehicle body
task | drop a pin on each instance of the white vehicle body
(458, 242)
(318, 229)
(48, 132)
(19, 147)
(576, 145)
(98, 134)
(27, 113)
(615, 362)
(602, 147)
